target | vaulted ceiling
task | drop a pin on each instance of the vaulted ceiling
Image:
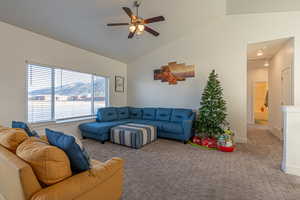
(82, 23)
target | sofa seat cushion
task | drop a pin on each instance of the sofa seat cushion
(49, 163)
(149, 113)
(123, 113)
(79, 158)
(107, 114)
(101, 127)
(11, 138)
(178, 115)
(172, 127)
(163, 114)
(157, 124)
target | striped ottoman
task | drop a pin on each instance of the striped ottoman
(133, 135)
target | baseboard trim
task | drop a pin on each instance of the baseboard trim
(276, 132)
(292, 170)
(241, 140)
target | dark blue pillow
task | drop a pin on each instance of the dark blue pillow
(24, 126)
(78, 157)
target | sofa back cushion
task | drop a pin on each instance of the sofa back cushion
(11, 138)
(50, 164)
(163, 114)
(178, 115)
(149, 113)
(79, 158)
(107, 114)
(135, 113)
(123, 112)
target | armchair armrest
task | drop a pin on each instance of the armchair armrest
(94, 181)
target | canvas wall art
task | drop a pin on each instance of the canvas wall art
(173, 72)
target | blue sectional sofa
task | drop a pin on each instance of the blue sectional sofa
(171, 123)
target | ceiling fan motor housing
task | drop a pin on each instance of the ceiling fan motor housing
(137, 4)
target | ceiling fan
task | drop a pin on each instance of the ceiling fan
(137, 24)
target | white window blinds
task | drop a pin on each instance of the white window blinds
(58, 94)
(39, 93)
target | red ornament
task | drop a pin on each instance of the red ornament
(209, 142)
(196, 140)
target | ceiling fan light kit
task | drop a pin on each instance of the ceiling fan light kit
(137, 24)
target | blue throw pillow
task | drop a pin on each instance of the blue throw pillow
(24, 126)
(79, 158)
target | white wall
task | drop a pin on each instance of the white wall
(18, 45)
(283, 59)
(261, 6)
(256, 72)
(221, 44)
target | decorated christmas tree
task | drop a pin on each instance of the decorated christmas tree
(212, 113)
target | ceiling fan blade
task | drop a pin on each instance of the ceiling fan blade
(118, 24)
(128, 11)
(150, 30)
(154, 19)
(131, 34)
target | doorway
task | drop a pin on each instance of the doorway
(260, 103)
(269, 84)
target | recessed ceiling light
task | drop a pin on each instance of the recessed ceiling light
(260, 52)
(267, 63)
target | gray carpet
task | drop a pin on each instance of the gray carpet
(169, 170)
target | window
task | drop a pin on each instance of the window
(58, 94)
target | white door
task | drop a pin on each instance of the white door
(286, 86)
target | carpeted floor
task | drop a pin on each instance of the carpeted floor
(169, 170)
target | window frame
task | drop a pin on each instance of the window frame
(53, 119)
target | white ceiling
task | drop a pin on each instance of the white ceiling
(82, 23)
(261, 6)
(269, 48)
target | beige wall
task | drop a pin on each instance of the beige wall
(219, 43)
(283, 59)
(18, 45)
(256, 73)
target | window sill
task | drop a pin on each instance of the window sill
(64, 121)
(74, 120)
